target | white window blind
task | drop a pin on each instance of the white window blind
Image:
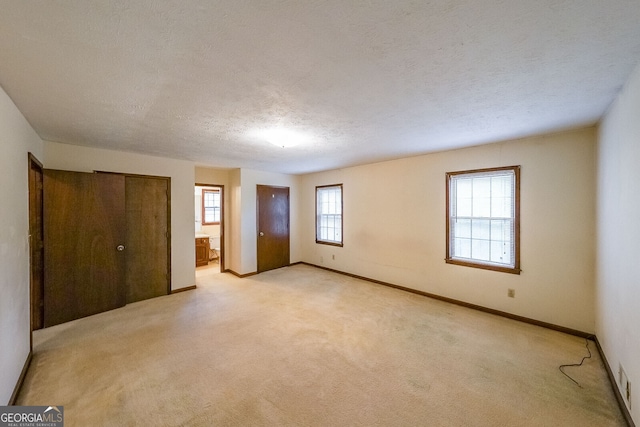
(482, 217)
(329, 214)
(211, 206)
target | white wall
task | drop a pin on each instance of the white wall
(17, 138)
(85, 159)
(394, 227)
(618, 266)
(232, 241)
(205, 175)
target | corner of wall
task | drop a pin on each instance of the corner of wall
(617, 231)
(18, 139)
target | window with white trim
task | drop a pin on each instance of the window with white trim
(329, 214)
(210, 207)
(483, 224)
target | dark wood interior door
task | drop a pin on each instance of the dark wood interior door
(84, 238)
(273, 227)
(36, 243)
(147, 253)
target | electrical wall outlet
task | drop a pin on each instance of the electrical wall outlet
(625, 386)
(333, 257)
(511, 293)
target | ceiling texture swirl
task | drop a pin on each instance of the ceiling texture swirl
(345, 82)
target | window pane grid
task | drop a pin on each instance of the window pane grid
(329, 214)
(482, 217)
(484, 240)
(211, 206)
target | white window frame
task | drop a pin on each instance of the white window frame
(216, 209)
(329, 216)
(502, 223)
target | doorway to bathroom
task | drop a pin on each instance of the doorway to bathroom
(209, 228)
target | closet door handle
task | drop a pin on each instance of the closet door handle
(120, 248)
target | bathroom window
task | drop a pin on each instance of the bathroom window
(329, 214)
(210, 207)
(483, 219)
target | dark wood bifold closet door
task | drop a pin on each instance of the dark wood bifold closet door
(147, 207)
(273, 227)
(84, 238)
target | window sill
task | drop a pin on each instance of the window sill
(322, 242)
(492, 267)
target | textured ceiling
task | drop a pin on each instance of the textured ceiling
(363, 81)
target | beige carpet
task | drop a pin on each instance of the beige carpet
(306, 347)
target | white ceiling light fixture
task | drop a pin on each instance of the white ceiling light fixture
(284, 138)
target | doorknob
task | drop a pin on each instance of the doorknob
(261, 234)
(120, 248)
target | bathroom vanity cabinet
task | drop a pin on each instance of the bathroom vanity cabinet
(202, 251)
